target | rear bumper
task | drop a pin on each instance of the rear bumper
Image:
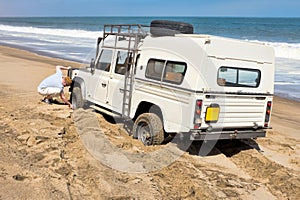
(225, 135)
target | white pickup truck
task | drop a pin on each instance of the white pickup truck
(168, 80)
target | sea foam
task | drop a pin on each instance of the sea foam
(284, 50)
(54, 32)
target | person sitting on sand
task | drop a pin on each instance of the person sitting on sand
(53, 86)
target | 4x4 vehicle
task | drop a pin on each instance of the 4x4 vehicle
(169, 80)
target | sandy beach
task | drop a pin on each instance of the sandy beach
(42, 155)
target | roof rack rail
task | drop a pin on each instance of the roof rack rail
(129, 30)
(132, 33)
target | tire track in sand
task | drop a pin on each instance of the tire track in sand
(281, 181)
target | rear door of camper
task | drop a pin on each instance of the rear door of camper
(242, 84)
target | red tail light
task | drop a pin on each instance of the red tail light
(268, 113)
(197, 115)
(199, 103)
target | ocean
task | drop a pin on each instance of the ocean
(74, 38)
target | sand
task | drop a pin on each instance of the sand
(53, 152)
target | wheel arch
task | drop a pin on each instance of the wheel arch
(148, 107)
(79, 82)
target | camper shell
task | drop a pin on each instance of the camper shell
(203, 86)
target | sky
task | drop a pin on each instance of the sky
(207, 8)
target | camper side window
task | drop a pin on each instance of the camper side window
(238, 77)
(174, 72)
(154, 69)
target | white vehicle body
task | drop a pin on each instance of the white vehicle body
(211, 87)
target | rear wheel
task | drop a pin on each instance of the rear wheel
(149, 129)
(77, 99)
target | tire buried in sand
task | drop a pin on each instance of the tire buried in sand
(77, 99)
(149, 129)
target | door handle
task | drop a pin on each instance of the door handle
(103, 85)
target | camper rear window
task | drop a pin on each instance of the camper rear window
(238, 77)
(167, 71)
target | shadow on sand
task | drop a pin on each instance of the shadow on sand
(227, 147)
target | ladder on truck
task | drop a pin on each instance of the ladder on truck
(132, 34)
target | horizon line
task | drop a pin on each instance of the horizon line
(164, 16)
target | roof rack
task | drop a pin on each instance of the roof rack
(132, 33)
(129, 30)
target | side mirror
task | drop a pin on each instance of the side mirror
(92, 65)
(69, 74)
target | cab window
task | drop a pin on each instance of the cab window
(121, 62)
(104, 61)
